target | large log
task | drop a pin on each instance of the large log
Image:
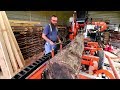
(66, 64)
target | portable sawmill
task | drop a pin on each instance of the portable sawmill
(78, 58)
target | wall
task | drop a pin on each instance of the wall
(113, 16)
(42, 16)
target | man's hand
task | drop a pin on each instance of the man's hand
(52, 43)
(60, 41)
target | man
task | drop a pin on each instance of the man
(50, 35)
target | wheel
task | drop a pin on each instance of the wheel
(106, 73)
(100, 54)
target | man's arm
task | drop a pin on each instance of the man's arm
(58, 39)
(45, 32)
(48, 40)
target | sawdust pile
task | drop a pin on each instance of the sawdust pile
(66, 64)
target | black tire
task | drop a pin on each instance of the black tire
(100, 54)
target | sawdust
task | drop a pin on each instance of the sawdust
(66, 63)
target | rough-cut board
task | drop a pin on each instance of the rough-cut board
(17, 56)
(66, 64)
(5, 64)
(29, 41)
(8, 44)
(13, 37)
(22, 23)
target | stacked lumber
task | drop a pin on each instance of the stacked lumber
(29, 40)
(115, 36)
(63, 33)
(115, 42)
(23, 23)
(115, 39)
(11, 59)
(106, 37)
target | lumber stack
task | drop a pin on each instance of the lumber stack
(29, 40)
(106, 37)
(115, 39)
(63, 33)
(115, 42)
(23, 23)
(115, 36)
(11, 59)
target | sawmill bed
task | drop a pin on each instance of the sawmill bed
(33, 59)
(27, 62)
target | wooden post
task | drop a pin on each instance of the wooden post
(7, 42)
(12, 35)
(17, 56)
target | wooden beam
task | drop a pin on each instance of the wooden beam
(7, 42)
(13, 37)
(4, 58)
(4, 66)
(17, 56)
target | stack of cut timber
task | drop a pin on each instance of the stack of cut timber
(29, 40)
(115, 42)
(63, 33)
(11, 59)
(106, 37)
(115, 36)
(23, 23)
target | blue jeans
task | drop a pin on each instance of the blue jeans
(49, 47)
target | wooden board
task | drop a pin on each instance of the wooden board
(13, 37)
(5, 63)
(23, 23)
(17, 56)
(8, 44)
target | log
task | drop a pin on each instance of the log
(13, 37)
(17, 56)
(7, 42)
(66, 64)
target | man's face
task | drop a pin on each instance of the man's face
(54, 20)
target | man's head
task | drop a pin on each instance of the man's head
(54, 19)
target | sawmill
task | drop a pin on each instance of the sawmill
(59, 44)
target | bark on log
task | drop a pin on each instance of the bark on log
(66, 64)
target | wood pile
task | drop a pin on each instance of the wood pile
(115, 42)
(115, 36)
(29, 40)
(63, 33)
(11, 59)
(23, 23)
(106, 37)
(115, 39)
